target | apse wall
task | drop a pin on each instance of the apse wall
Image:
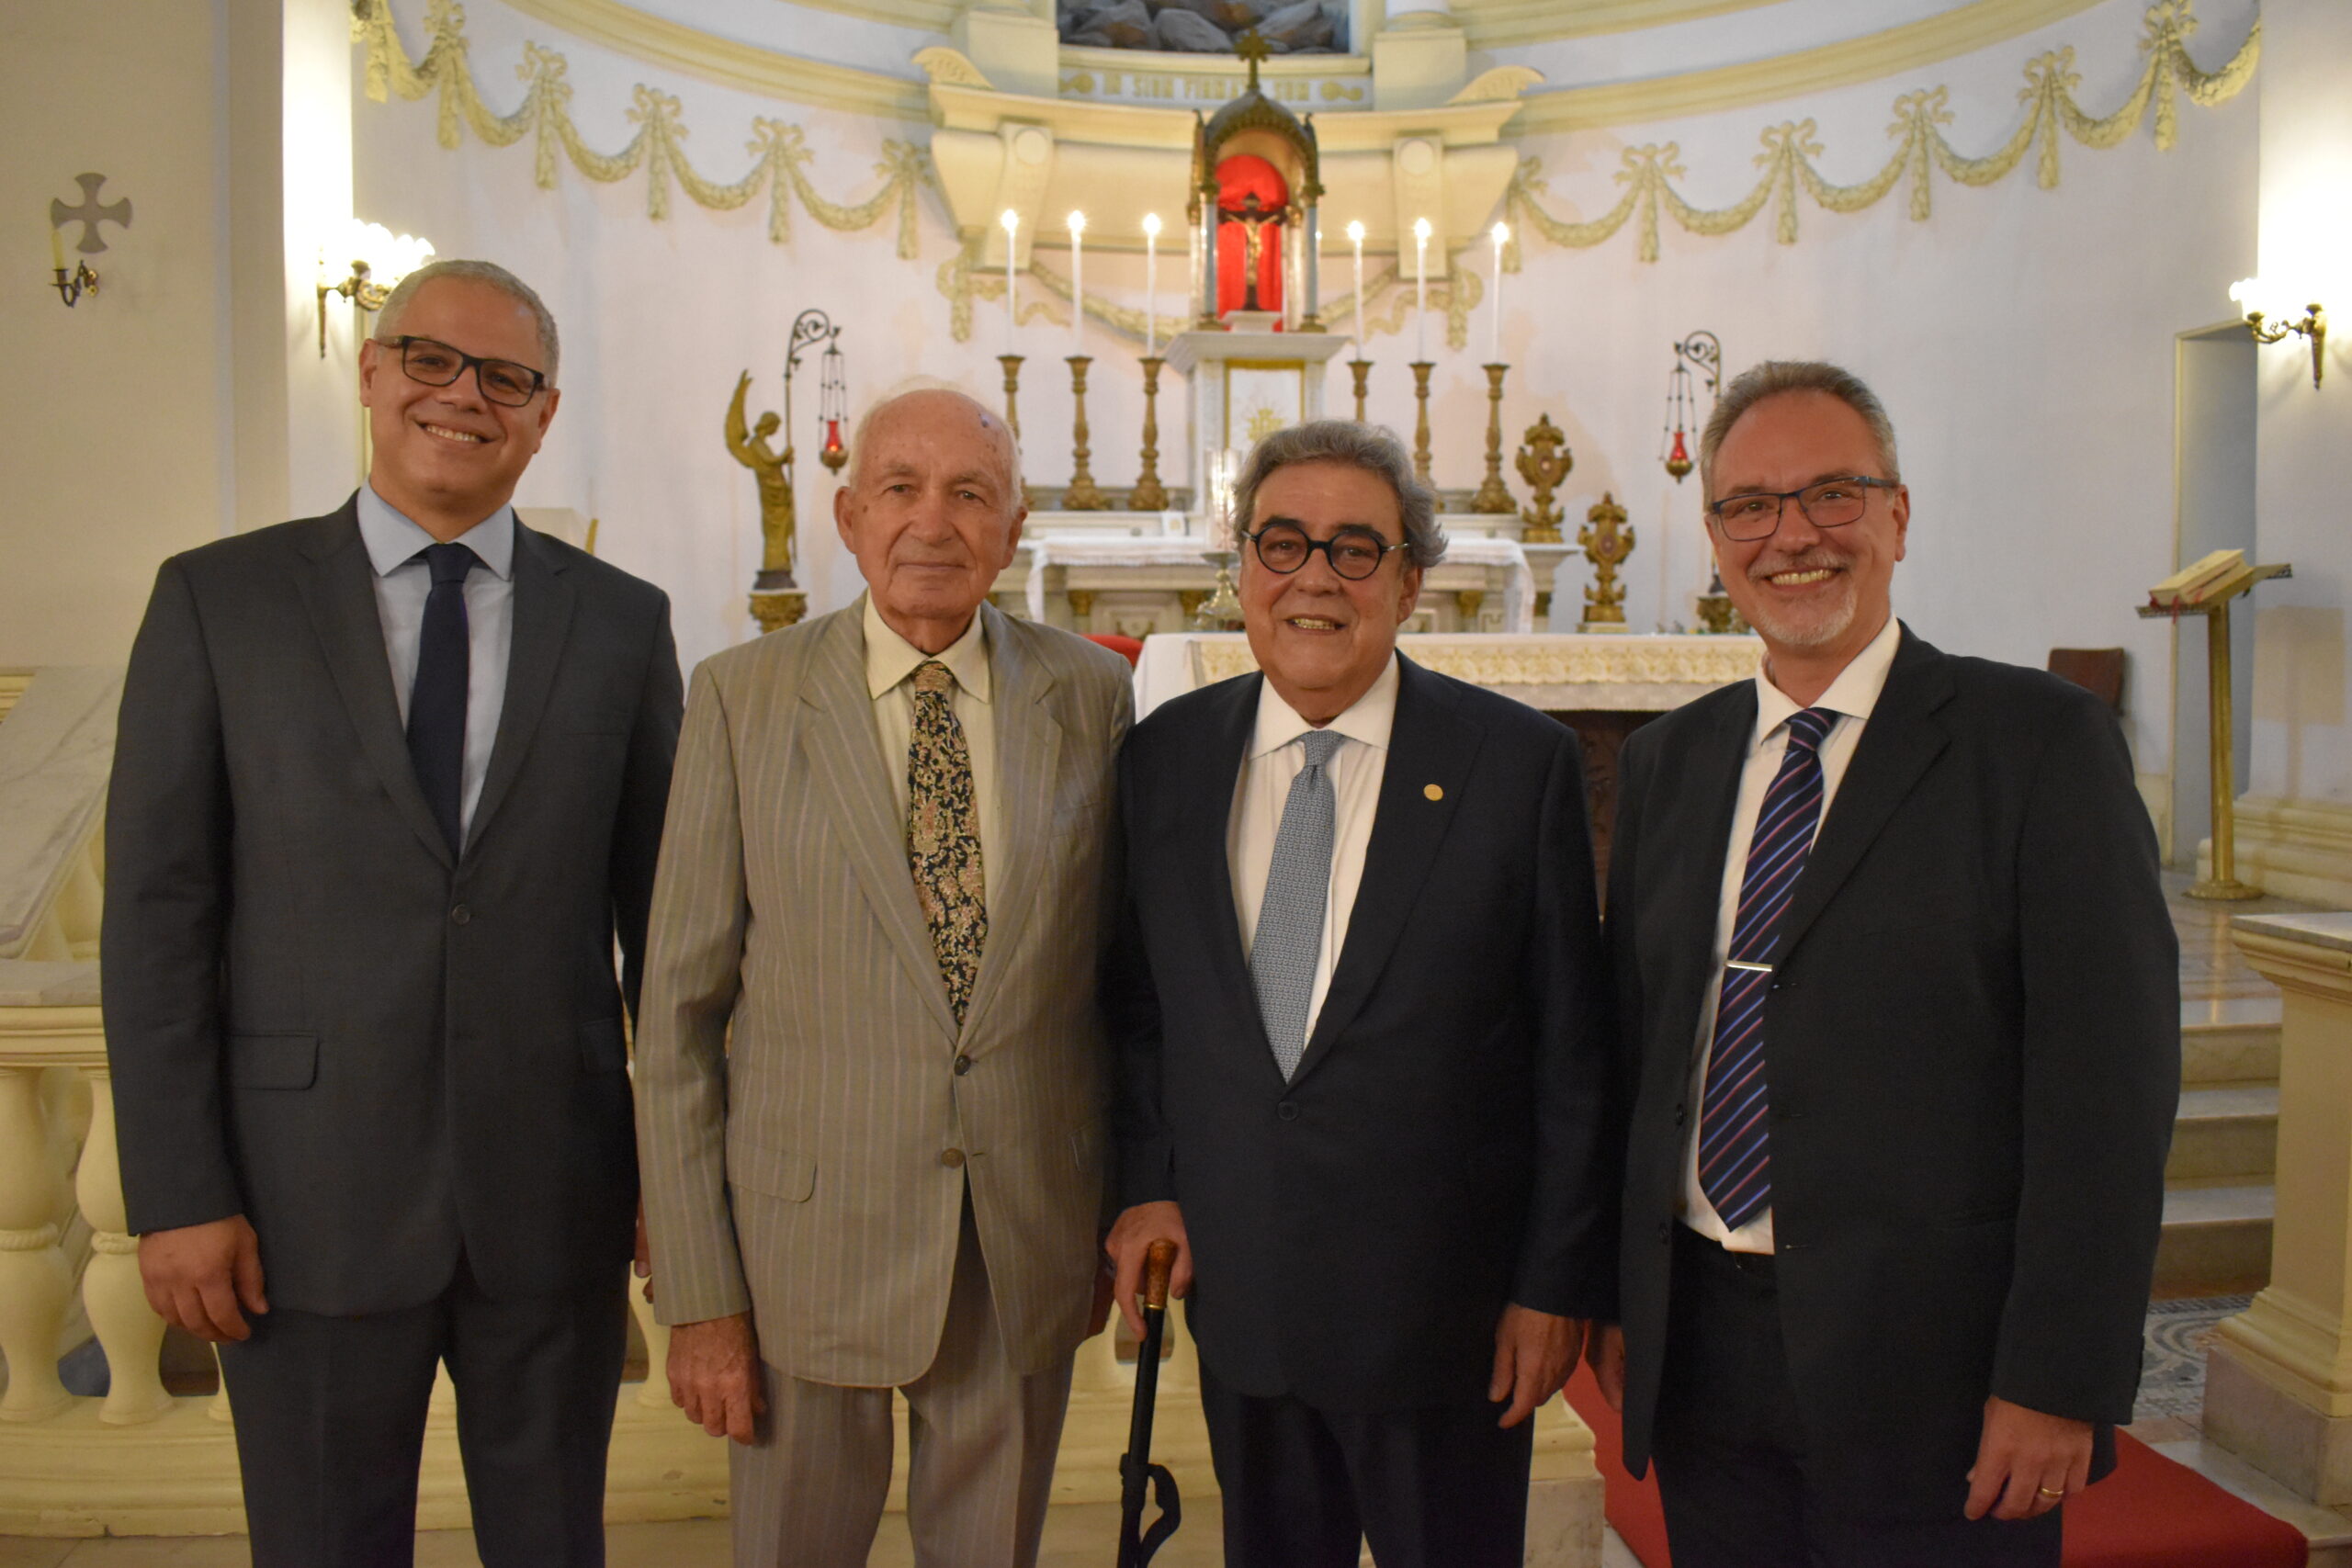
(2022, 337)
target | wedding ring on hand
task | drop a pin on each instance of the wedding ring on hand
(2046, 1492)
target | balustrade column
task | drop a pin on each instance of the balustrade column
(36, 1285)
(128, 1329)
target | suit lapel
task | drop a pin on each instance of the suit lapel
(845, 750)
(543, 603)
(339, 590)
(1693, 842)
(1898, 744)
(1028, 760)
(1431, 744)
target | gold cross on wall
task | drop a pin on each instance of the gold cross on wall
(1252, 47)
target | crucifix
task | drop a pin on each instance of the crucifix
(1253, 219)
(90, 214)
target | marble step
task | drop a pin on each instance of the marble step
(2231, 1040)
(2216, 1239)
(2229, 1132)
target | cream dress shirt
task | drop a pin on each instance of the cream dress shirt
(889, 659)
(403, 582)
(1850, 696)
(1274, 759)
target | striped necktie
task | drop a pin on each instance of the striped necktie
(1734, 1137)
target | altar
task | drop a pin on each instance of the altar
(1603, 687)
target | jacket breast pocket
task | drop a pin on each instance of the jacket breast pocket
(764, 1168)
(273, 1061)
(602, 1049)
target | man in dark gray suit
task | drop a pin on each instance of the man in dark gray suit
(388, 784)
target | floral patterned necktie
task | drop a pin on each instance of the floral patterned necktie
(944, 835)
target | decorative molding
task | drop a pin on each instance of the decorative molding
(1499, 24)
(941, 63)
(1790, 154)
(2296, 849)
(780, 152)
(1504, 83)
(769, 73)
(1706, 661)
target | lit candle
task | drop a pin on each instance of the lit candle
(1501, 235)
(1077, 283)
(1355, 238)
(1421, 288)
(1150, 284)
(1011, 296)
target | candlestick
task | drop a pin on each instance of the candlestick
(1011, 221)
(1421, 288)
(1361, 370)
(1012, 363)
(1149, 494)
(1493, 494)
(1150, 285)
(1421, 368)
(1083, 494)
(1355, 238)
(1077, 283)
(1502, 234)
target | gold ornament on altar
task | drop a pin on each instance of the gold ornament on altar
(1544, 462)
(1607, 541)
(776, 600)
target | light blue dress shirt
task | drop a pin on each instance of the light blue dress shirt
(394, 548)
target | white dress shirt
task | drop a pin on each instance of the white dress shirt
(889, 661)
(1274, 759)
(395, 546)
(1850, 696)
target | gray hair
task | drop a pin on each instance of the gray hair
(396, 304)
(1371, 447)
(912, 387)
(1777, 375)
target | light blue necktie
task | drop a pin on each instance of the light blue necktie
(1290, 919)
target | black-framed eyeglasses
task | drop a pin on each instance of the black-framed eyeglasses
(436, 364)
(1826, 503)
(1354, 552)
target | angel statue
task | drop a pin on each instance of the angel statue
(773, 472)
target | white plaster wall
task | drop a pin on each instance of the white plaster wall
(115, 411)
(2022, 338)
(2302, 749)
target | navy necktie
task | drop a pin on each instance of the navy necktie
(1734, 1137)
(436, 703)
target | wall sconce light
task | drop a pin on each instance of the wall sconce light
(380, 259)
(72, 285)
(810, 328)
(2269, 317)
(1706, 351)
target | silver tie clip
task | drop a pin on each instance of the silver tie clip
(1751, 968)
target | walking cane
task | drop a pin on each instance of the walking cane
(1134, 1466)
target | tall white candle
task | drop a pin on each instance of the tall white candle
(1355, 238)
(1011, 221)
(1151, 285)
(1502, 234)
(1421, 288)
(1077, 283)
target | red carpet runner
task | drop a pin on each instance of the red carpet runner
(2150, 1513)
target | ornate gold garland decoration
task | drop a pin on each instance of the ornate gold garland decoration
(1790, 150)
(779, 152)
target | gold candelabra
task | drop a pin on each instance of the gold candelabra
(1493, 495)
(1012, 363)
(1544, 462)
(1421, 368)
(1718, 617)
(1083, 494)
(1361, 370)
(1149, 494)
(1607, 542)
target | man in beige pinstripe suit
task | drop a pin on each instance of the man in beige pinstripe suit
(883, 864)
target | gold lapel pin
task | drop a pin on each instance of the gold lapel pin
(1435, 792)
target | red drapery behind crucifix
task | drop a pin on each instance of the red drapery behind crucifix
(1238, 178)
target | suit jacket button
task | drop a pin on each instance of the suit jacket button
(460, 915)
(1287, 1110)
(951, 1158)
(1682, 1114)
(1665, 1230)
(963, 1066)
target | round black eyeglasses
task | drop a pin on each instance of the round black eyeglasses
(1353, 552)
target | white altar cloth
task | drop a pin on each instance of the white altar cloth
(1113, 550)
(1561, 672)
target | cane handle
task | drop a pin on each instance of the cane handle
(1158, 1262)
